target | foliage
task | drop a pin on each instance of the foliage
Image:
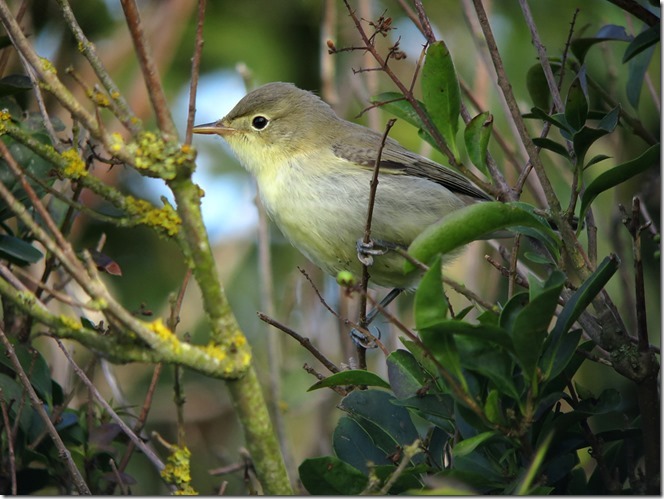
(496, 396)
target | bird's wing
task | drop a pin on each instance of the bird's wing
(395, 159)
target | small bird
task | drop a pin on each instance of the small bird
(314, 170)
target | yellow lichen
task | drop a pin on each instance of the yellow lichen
(116, 143)
(99, 98)
(48, 65)
(70, 323)
(165, 219)
(75, 166)
(157, 157)
(177, 470)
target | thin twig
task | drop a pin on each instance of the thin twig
(305, 342)
(119, 105)
(373, 187)
(195, 70)
(149, 453)
(543, 58)
(149, 69)
(10, 443)
(38, 406)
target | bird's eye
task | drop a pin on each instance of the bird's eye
(259, 122)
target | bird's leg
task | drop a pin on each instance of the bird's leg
(361, 339)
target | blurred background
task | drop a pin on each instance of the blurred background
(253, 42)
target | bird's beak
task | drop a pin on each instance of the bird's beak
(216, 128)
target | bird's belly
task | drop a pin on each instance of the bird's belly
(325, 218)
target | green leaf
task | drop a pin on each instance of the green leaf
(18, 250)
(551, 145)
(636, 73)
(468, 445)
(580, 46)
(377, 408)
(430, 302)
(468, 224)
(396, 103)
(492, 408)
(525, 485)
(406, 376)
(440, 92)
(485, 332)
(557, 120)
(538, 87)
(353, 445)
(440, 341)
(14, 84)
(351, 377)
(529, 328)
(437, 408)
(562, 355)
(645, 39)
(576, 106)
(34, 364)
(583, 296)
(32, 164)
(596, 159)
(476, 136)
(616, 176)
(331, 476)
(583, 139)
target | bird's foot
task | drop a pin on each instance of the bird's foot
(366, 251)
(362, 340)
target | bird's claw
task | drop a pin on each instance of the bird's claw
(366, 251)
(362, 340)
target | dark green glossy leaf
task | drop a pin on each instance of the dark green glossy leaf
(557, 120)
(331, 476)
(492, 363)
(18, 251)
(437, 408)
(596, 159)
(563, 354)
(406, 376)
(353, 445)
(529, 328)
(13, 84)
(551, 145)
(538, 87)
(583, 296)
(430, 302)
(584, 138)
(440, 92)
(618, 175)
(476, 137)
(636, 72)
(646, 39)
(580, 46)
(576, 105)
(610, 120)
(14, 397)
(377, 407)
(36, 368)
(468, 224)
(440, 341)
(485, 332)
(31, 163)
(351, 377)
